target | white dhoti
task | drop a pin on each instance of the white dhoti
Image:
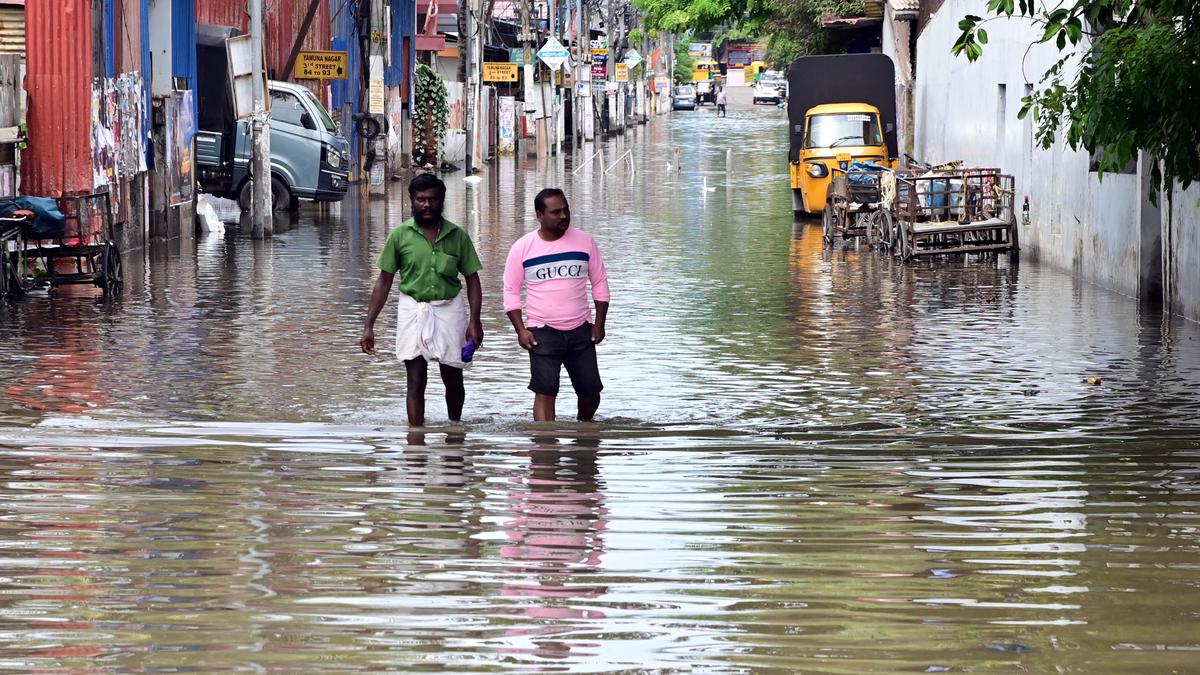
(435, 330)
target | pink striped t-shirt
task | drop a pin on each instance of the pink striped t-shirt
(555, 275)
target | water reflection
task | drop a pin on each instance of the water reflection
(813, 460)
(555, 540)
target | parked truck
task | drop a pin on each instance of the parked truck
(841, 110)
(309, 158)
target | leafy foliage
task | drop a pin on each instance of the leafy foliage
(432, 115)
(684, 63)
(1128, 79)
(792, 27)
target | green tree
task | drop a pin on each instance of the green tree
(792, 28)
(683, 61)
(1128, 79)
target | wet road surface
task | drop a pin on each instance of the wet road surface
(827, 462)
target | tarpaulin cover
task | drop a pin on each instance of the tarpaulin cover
(49, 223)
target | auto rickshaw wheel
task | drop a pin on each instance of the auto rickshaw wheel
(828, 224)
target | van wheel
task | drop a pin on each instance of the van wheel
(281, 196)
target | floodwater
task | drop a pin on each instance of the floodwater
(807, 461)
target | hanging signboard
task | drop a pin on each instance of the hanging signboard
(499, 71)
(632, 58)
(322, 65)
(622, 72)
(599, 71)
(553, 54)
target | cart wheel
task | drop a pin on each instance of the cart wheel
(111, 276)
(885, 228)
(15, 278)
(828, 224)
(905, 245)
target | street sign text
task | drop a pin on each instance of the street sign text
(321, 65)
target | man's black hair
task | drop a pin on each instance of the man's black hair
(426, 181)
(539, 202)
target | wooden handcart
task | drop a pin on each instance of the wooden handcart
(84, 252)
(957, 211)
(854, 206)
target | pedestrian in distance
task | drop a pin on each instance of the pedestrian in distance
(721, 101)
(430, 254)
(554, 265)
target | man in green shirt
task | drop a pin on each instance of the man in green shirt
(430, 253)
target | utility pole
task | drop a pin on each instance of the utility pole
(260, 133)
(552, 32)
(582, 71)
(527, 37)
(376, 100)
(623, 87)
(610, 74)
(468, 42)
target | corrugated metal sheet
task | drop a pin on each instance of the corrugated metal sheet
(404, 25)
(127, 36)
(183, 40)
(107, 38)
(12, 30)
(347, 93)
(58, 77)
(284, 19)
(222, 13)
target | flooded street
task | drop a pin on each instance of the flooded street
(805, 460)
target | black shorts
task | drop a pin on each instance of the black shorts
(557, 348)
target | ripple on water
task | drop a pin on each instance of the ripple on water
(808, 460)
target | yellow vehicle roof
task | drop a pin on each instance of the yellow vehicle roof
(705, 61)
(836, 108)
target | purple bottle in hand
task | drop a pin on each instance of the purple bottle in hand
(468, 351)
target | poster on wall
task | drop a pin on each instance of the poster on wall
(181, 127)
(508, 125)
(119, 141)
(103, 141)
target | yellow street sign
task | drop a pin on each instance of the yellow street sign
(321, 65)
(622, 72)
(499, 71)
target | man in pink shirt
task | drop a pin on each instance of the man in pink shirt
(554, 265)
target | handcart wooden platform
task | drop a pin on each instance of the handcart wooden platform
(84, 252)
(954, 211)
(854, 206)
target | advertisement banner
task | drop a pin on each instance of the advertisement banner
(508, 125)
(181, 127)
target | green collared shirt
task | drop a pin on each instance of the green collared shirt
(429, 272)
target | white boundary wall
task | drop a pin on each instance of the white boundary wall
(969, 111)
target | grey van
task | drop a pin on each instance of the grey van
(309, 159)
